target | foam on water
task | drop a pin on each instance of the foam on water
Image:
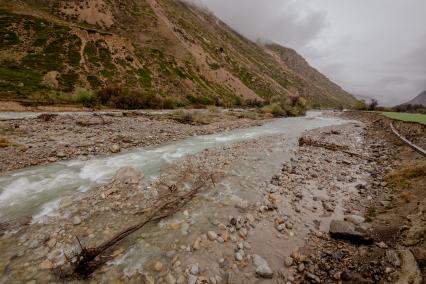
(29, 190)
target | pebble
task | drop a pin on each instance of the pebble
(262, 267)
(211, 235)
(158, 266)
(76, 220)
(195, 269)
(288, 261)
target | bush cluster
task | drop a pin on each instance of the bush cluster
(285, 106)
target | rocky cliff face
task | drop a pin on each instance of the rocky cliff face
(165, 47)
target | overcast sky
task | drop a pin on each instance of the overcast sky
(374, 48)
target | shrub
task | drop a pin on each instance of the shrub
(170, 102)
(84, 97)
(192, 117)
(275, 109)
(360, 105)
(128, 100)
(284, 106)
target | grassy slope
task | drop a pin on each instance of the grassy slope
(140, 51)
(412, 117)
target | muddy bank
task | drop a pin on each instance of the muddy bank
(52, 138)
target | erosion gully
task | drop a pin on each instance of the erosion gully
(37, 191)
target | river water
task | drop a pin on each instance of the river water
(37, 190)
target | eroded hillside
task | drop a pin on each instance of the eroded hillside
(162, 47)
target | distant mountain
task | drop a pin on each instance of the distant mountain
(165, 47)
(419, 100)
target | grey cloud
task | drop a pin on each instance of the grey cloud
(376, 49)
(284, 21)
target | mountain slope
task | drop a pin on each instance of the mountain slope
(419, 100)
(163, 47)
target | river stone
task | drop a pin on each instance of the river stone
(115, 148)
(211, 235)
(262, 267)
(76, 220)
(345, 230)
(354, 219)
(195, 269)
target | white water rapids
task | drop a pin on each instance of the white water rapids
(37, 190)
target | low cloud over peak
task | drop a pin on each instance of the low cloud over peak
(375, 48)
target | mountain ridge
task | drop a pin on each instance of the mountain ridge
(169, 48)
(420, 99)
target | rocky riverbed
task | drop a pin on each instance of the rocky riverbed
(276, 209)
(52, 137)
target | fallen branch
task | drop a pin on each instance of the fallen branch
(89, 259)
(305, 141)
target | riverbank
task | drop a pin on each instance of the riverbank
(53, 137)
(261, 214)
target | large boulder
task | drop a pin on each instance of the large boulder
(345, 230)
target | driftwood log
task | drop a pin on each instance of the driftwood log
(83, 264)
(306, 141)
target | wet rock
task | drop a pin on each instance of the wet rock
(347, 231)
(262, 267)
(354, 219)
